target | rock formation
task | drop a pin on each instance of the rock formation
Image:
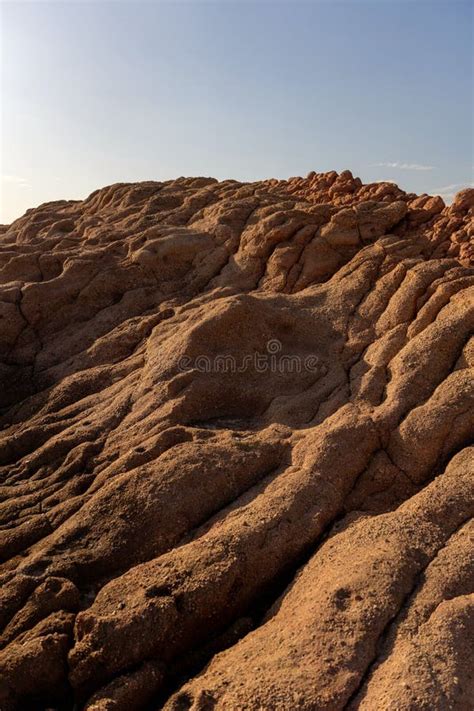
(234, 449)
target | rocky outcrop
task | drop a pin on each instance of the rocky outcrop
(449, 229)
(234, 448)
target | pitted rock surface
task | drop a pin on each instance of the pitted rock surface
(235, 429)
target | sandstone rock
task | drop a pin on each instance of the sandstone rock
(234, 435)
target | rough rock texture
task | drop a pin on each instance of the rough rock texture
(234, 447)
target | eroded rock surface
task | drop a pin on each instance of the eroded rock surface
(235, 453)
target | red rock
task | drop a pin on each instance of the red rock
(234, 447)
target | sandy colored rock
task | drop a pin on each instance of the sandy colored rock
(234, 448)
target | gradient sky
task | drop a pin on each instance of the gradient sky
(100, 92)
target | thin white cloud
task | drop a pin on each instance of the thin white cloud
(448, 192)
(15, 180)
(402, 166)
(455, 186)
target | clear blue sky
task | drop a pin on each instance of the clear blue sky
(99, 92)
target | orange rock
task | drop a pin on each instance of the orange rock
(234, 448)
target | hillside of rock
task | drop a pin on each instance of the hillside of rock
(236, 461)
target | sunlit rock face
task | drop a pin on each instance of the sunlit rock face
(234, 448)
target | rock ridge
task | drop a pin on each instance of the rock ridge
(235, 448)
